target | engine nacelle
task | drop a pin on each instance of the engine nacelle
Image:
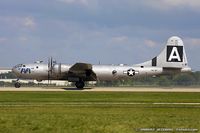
(56, 70)
(59, 70)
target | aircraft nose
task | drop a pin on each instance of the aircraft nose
(15, 70)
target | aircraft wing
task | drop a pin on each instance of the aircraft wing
(83, 71)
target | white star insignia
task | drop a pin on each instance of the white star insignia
(131, 72)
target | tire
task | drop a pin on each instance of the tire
(80, 84)
(17, 85)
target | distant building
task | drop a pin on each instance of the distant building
(55, 82)
(5, 70)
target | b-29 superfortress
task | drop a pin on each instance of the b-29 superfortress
(171, 60)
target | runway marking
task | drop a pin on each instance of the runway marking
(87, 104)
(177, 103)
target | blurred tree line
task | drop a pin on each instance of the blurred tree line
(183, 79)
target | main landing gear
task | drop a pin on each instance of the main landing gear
(80, 84)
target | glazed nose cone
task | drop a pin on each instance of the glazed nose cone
(15, 70)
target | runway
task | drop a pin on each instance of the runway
(107, 89)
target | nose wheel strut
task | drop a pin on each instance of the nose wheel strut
(17, 84)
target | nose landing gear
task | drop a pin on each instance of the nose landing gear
(17, 84)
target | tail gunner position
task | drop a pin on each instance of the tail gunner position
(171, 60)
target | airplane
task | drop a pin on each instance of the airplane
(171, 60)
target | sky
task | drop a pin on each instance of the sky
(93, 31)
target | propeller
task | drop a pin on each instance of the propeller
(50, 69)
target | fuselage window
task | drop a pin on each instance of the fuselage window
(24, 65)
(37, 67)
(114, 72)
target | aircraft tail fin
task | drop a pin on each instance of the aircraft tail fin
(172, 57)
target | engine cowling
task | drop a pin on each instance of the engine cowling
(56, 70)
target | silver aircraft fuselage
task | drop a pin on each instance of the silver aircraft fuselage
(103, 72)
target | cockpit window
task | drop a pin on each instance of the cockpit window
(19, 65)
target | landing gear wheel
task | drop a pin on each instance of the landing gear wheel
(17, 85)
(80, 84)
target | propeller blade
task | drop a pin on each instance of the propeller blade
(51, 64)
(48, 70)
